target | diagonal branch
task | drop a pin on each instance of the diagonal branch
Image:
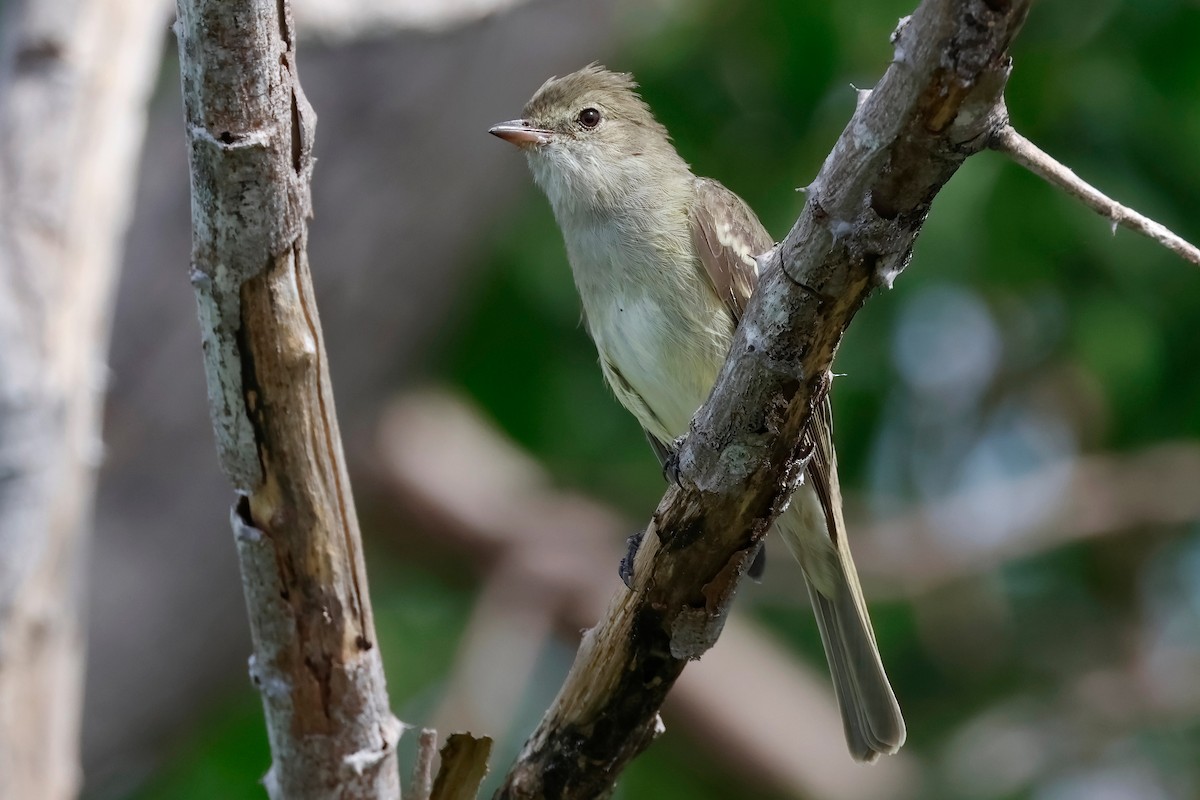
(1006, 140)
(453, 473)
(938, 103)
(315, 662)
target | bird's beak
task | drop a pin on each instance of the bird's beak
(521, 133)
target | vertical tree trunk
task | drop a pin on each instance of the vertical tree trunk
(74, 81)
(315, 662)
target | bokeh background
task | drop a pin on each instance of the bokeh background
(1018, 421)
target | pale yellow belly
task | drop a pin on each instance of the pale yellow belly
(661, 365)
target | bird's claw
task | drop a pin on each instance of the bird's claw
(631, 548)
(670, 464)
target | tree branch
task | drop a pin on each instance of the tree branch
(938, 103)
(422, 778)
(1006, 140)
(75, 78)
(463, 768)
(315, 662)
(465, 484)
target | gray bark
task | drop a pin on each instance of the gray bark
(74, 81)
(315, 662)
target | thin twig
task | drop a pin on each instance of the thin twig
(1006, 140)
(422, 782)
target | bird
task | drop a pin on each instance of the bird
(664, 263)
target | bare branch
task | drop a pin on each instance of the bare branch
(938, 103)
(75, 79)
(250, 132)
(422, 782)
(480, 494)
(1006, 140)
(464, 766)
(511, 512)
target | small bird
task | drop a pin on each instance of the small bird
(664, 263)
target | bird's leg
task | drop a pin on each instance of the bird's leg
(670, 467)
(670, 462)
(631, 548)
(668, 457)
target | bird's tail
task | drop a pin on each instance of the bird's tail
(870, 714)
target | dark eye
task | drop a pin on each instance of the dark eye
(589, 118)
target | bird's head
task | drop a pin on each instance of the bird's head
(591, 139)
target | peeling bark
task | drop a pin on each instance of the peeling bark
(315, 662)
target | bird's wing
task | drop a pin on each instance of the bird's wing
(727, 236)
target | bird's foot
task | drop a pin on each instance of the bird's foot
(670, 464)
(631, 548)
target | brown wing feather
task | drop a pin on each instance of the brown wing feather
(822, 467)
(727, 236)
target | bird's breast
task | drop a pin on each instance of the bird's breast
(661, 332)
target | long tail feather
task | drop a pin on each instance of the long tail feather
(870, 714)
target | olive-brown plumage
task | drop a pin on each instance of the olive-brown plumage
(664, 264)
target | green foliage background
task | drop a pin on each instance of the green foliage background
(1106, 326)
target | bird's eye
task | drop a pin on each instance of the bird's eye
(589, 118)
